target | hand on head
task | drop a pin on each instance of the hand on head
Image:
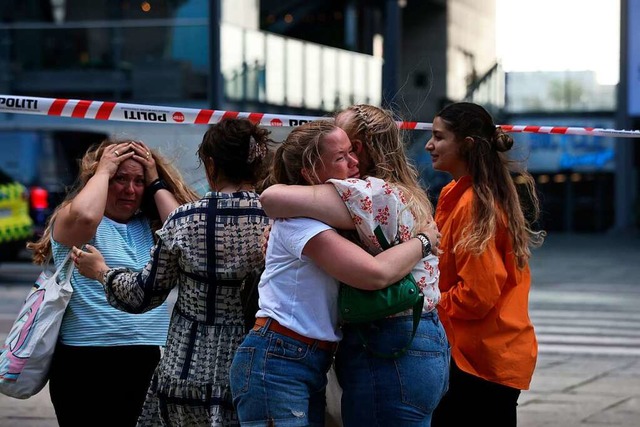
(112, 156)
(142, 154)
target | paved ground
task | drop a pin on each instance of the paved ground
(588, 372)
(576, 383)
(583, 391)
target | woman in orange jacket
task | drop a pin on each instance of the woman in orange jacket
(484, 271)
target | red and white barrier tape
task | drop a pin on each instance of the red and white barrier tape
(138, 113)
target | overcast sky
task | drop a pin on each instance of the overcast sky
(558, 35)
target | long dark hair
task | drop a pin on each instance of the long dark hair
(483, 147)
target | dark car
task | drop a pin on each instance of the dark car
(46, 162)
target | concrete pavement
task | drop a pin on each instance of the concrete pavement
(586, 388)
(33, 412)
(595, 280)
(582, 391)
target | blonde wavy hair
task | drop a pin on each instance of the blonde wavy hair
(301, 150)
(483, 147)
(88, 166)
(378, 130)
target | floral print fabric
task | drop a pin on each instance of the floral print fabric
(374, 202)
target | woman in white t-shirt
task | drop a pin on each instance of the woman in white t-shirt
(278, 375)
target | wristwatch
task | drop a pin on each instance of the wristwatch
(426, 244)
(156, 185)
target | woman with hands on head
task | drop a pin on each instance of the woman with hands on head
(205, 248)
(105, 358)
(123, 192)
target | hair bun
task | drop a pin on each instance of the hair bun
(502, 141)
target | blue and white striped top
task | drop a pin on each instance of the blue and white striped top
(89, 319)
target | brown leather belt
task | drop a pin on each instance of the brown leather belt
(278, 328)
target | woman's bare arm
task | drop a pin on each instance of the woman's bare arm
(321, 202)
(77, 222)
(164, 199)
(351, 264)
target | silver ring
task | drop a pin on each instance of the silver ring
(117, 154)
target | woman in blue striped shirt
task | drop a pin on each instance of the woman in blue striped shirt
(205, 249)
(123, 193)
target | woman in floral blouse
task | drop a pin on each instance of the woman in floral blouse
(380, 391)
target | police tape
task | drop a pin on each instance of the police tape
(139, 113)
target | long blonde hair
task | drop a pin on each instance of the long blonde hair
(482, 145)
(88, 166)
(301, 150)
(379, 132)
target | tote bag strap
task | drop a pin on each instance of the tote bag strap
(68, 271)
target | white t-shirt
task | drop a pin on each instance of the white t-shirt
(293, 290)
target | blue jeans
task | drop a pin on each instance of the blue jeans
(393, 392)
(279, 380)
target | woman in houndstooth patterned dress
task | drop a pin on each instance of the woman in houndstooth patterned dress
(205, 248)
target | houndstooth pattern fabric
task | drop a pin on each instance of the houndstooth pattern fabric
(205, 248)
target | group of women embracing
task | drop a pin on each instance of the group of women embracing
(331, 188)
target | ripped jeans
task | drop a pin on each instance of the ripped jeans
(278, 380)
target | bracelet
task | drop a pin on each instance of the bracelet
(426, 244)
(156, 185)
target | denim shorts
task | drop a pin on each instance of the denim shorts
(393, 392)
(280, 380)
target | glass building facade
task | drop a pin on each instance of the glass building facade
(158, 50)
